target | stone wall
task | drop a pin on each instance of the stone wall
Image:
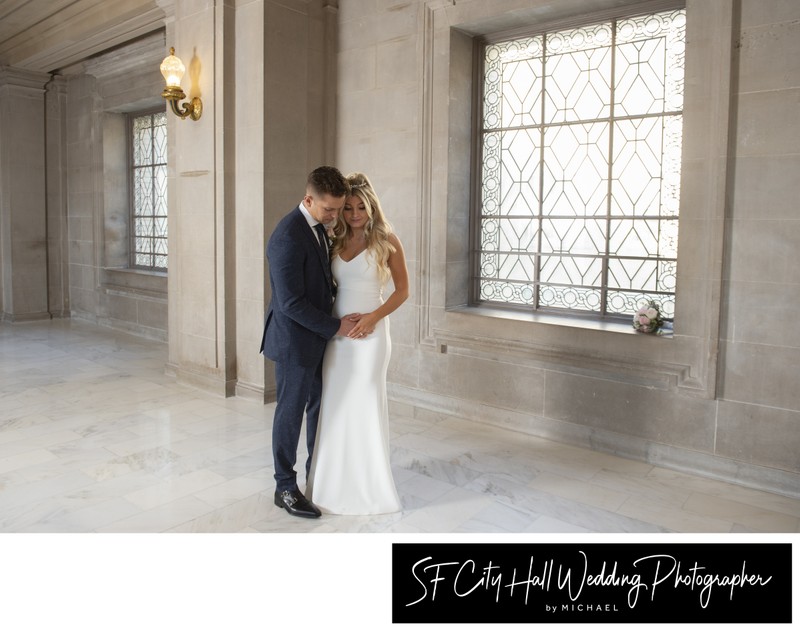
(718, 397)
(99, 94)
(759, 402)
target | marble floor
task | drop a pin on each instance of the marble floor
(94, 438)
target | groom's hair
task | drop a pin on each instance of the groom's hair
(327, 180)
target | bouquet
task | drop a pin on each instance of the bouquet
(647, 318)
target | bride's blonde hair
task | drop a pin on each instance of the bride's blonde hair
(376, 231)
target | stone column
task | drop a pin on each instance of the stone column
(250, 197)
(262, 69)
(201, 265)
(23, 200)
(57, 243)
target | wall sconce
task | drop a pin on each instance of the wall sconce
(172, 68)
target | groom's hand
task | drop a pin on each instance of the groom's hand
(346, 325)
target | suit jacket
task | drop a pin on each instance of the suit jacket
(299, 322)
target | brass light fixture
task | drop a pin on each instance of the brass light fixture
(173, 69)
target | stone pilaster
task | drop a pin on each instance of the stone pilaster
(56, 182)
(23, 199)
(201, 245)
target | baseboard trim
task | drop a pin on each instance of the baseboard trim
(213, 384)
(418, 403)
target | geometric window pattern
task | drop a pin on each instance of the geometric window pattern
(149, 176)
(580, 167)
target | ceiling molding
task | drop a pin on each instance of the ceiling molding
(44, 35)
(125, 59)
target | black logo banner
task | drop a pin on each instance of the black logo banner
(600, 583)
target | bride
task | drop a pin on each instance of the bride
(350, 470)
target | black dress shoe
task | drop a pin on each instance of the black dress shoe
(296, 504)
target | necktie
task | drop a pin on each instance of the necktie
(322, 237)
(323, 244)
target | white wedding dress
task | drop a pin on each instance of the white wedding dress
(350, 470)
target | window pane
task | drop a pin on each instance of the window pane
(144, 225)
(160, 227)
(142, 140)
(671, 165)
(512, 87)
(629, 237)
(632, 274)
(144, 244)
(490, 180)
(160, 138)
(572, 270)
(507, 292)
(650, 62)
(143, 191)
(626, 302)
(576, 175)
(519, 173)
(574, 236)
(572, 298)
(578, 74)
(160, 189)
(517, 234)
(517, 267)
(521, 98)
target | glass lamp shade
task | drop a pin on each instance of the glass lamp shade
(173, 69)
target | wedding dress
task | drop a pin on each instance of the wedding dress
(350, 470)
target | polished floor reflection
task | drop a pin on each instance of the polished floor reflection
(95, 438)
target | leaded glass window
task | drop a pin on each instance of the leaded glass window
(580, 155)
(149, 191)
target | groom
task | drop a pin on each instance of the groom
(299, 325)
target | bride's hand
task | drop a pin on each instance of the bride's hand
(365, 326)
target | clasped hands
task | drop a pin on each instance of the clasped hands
(357, 325)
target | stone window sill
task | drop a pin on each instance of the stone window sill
(123, 280)
(567, 320)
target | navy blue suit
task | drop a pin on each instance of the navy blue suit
(297, 329)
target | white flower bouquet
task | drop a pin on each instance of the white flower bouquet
(647, 318)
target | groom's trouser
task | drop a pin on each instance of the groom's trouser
(299, 390)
